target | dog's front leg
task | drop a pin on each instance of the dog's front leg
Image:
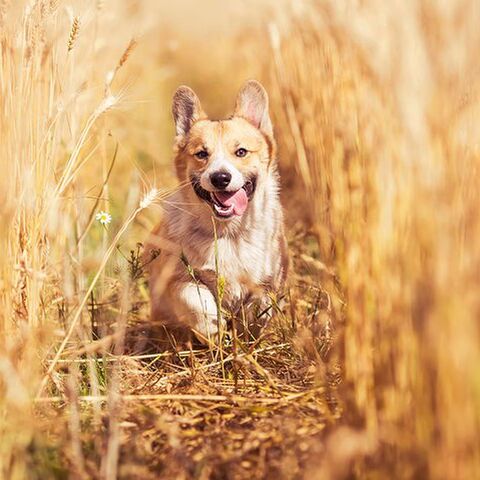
(197, 307)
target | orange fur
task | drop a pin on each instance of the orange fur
(249, 250)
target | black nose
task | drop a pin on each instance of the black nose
(220, 179)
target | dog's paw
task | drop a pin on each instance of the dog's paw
(209, 330)
(202, 313)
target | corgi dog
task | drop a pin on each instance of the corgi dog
(220, 247)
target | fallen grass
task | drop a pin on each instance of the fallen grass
(372, 368)
(236, 414)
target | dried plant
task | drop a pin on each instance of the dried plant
(370, 367)
(72, 37)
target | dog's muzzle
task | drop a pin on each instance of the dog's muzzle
(226, 204)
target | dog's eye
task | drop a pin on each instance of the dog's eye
(202, 154)
(241, 152)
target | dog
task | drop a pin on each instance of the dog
(221, 247)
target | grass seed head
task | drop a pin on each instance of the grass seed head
(74, 31)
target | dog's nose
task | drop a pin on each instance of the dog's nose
(220, 179)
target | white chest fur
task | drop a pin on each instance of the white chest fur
(246, 254)
(240, 261)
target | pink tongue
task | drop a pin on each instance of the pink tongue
(238, 199)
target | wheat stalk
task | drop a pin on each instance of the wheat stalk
(126, 53)
(72, 38)
(239, 399)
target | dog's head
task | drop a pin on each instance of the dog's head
(223, 161)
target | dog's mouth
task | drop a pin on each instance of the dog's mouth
(227, 204)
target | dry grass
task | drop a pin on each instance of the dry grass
(372, 369)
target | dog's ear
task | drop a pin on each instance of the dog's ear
(186, 110)
(252, 105)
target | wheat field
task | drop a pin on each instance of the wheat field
(372, 369)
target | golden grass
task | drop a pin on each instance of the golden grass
(371, 371)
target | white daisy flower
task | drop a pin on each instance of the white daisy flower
(103, 217)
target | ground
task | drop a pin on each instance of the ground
(242, 411)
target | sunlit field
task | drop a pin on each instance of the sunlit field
(370, 369)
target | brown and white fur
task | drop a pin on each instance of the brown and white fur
(249, 251)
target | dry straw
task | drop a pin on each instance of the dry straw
(375, 107)
(74, 31)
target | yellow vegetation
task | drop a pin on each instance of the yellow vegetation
(375, 107)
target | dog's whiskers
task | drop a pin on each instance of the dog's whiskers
(175, 205)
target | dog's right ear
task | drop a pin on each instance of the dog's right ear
(186, 110)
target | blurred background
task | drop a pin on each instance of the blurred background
(375, 109)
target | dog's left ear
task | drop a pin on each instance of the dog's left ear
(252, 105)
